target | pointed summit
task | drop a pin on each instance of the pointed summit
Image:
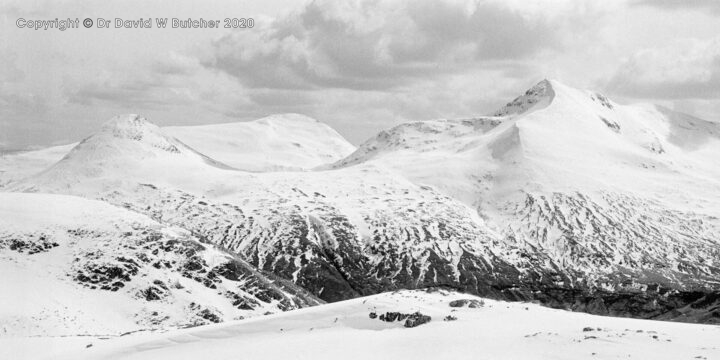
(538, 96)
(125, 146)
(128, 134)
(129, 126)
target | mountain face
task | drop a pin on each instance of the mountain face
(562, 196)
(71, 264)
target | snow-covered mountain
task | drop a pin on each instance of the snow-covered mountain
(562, 196)
(273, 143)
(556, 138)
(612, 194)
(124, 146)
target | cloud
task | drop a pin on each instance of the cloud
(176, 64)
(360, 66)
(702, 5)
(373, 45)
(683, 70)
(9, 71)
(168, 80)
(124, 92)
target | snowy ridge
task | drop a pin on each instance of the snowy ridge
(274, 143)
(421, 136)
(537, 97)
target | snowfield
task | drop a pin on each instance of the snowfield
(344, 330)
(274, 143)
(15, 166)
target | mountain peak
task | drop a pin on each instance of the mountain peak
(126, 120)
(129, 126)
(125, 145)
(540, 95)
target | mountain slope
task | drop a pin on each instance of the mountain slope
(277, 142)
(15, 166)
(74, 266)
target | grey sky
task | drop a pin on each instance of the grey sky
(359, 66)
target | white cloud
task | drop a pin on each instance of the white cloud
(684, 69)
(712, 6)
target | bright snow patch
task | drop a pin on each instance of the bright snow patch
(344, 330)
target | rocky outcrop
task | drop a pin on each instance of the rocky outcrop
(471, 303)
(410, 319)
(320, 249)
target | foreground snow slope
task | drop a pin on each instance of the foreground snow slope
(72, 266)
(343, 330)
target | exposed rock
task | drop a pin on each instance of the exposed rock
(209, 316)
(417, 319)
(471, 303)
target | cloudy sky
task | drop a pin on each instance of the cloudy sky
(359, 66)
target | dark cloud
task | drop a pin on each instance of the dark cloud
(712, 6)
(379, 45)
